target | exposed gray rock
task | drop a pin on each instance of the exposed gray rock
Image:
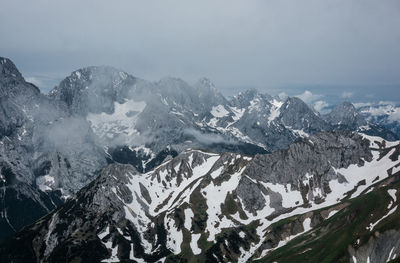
(381, 248)
(314, 156)
(345, 115)
(299, 116)
(251, 195)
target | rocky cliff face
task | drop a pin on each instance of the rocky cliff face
(206, 207)
(345, 115)
(41, 150)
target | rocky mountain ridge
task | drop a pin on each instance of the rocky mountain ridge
(53, 145)
(207, 207)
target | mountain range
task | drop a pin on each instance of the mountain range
(166, 171)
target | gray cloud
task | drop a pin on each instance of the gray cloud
(208, 139)
(260, 43)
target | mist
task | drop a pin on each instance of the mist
(264, 44)
(208, 138)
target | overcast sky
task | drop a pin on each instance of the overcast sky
(290, 46)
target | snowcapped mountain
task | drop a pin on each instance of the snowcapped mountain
(152, 116)
(345, 116)
(385, 114)
(104, 119)
(45, 153)
(208, 207)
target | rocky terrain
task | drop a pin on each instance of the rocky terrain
(147, 171)
(207, 207)
(384, 114)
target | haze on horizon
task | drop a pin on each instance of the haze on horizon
(340, 47)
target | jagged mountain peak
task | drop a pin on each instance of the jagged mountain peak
(94, 89)
(206, 83)
(296, 114)
(8, 69)
(345, 115)
(205, 87)
(250, 93)
(94, 77)
(11, 81)
(249, 97)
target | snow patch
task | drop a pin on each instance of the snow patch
(372, 225)
(307, 224)
(392, 193)
(188, 218)
(193, 244)
(215, 196)
(275, 110)
(45, 182)
(174, 236)
(331, 213)
(219, 111)
(120, 123)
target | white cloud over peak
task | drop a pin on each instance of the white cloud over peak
(320, 105)
(308, 97)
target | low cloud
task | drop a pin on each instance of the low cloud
(283, 95)
(374, 104)
(362, 104)
(320, 106)
(346, 95)
(206, 138)
(308, 97)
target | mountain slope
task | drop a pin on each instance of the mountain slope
(384, 114)
(346, 117)
(53, 145)
(41, 149)
(206, 207)
(363, 229)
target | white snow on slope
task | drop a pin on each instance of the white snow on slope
(392, 193)
(174, 236)
(331, 213)
(193, 244)
(45, 182)
(188, 218)
(108, 245)
(372, 226)
(215, 196)
(119, 123)
(353, 175)
(275, 110)
(219, 111)
(238, 113)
